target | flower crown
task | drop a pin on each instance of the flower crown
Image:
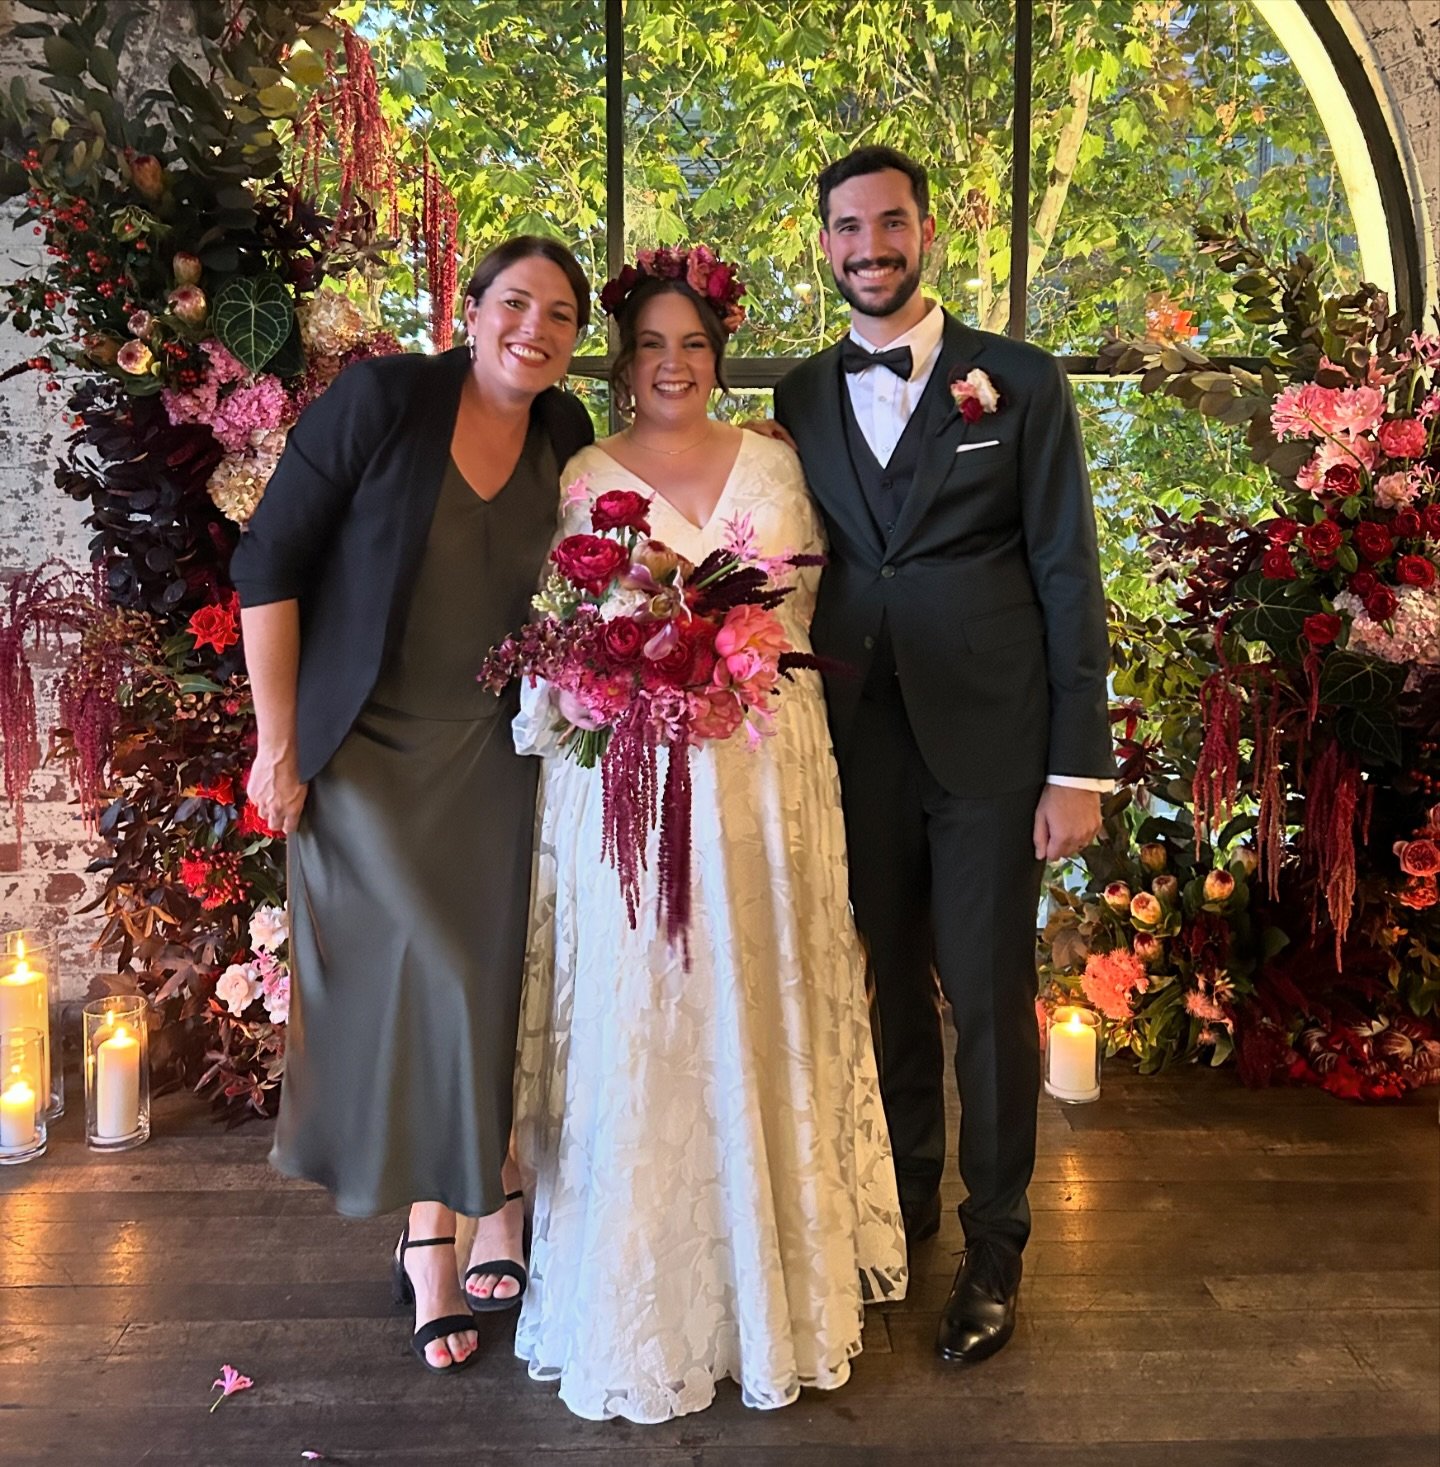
(710, 277)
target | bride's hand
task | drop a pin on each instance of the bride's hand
(769, 428)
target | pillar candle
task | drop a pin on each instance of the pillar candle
(1073, 1046)
(25, 1004)
(117, 1086)
(17, 1116)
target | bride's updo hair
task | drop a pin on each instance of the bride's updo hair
(629, 313)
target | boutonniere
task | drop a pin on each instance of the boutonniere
(974, 393)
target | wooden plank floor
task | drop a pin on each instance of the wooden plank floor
(1216, 1278)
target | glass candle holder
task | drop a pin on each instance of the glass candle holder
(22, 1096)
(30, 999)
(1072, 1054)
(117, 1073)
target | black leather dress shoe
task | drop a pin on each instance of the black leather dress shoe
(979, 1315)
(921, 1218)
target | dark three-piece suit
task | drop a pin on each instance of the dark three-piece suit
(962, 616)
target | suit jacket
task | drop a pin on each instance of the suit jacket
(989, 585)
(343, 523)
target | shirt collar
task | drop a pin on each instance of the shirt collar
(923, 339)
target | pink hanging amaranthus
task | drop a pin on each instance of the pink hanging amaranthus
(347, 111)
(439, 228)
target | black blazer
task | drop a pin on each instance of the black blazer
(989, 585)
(344, 520)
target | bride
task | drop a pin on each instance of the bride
(714, 1193)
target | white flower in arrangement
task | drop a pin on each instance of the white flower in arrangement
(269, 929)
(237, 988)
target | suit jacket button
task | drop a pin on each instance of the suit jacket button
(869, 644)
(886, 571)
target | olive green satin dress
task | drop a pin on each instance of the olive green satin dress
(409, 881)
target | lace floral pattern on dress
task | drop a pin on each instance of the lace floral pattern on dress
(713, 1190)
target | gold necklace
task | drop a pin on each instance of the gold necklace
(668, 452)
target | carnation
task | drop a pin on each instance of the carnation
(1112, 979)
(1395, 491)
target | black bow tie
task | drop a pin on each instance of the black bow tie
(856, 358)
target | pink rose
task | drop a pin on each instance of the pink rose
(1403, 438)
(621, 509)
(623, 638)
(588, 561)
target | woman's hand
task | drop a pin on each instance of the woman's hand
(275, 789)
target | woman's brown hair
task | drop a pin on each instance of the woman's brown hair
(528, 246)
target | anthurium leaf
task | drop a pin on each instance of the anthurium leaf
(1373, 735)
(1360, 682)
(252, 316)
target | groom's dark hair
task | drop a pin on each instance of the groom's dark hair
(873, 159)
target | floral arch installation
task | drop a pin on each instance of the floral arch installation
(1261, 424)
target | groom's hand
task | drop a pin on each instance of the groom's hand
(1066, 821)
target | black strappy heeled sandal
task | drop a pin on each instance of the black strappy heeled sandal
(435, 1329)
(501, 1268)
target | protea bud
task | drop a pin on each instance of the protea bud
(187, 268)
(1219, 886)
(1117, 895)
(1148, 948)
(1247, 858)
(1167, 888)
(189, 304)
(134, 357)
(148, 176)
(1145, 910)
(140, 323)
(1153, 856)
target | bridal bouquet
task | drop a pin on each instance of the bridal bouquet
(642, 650)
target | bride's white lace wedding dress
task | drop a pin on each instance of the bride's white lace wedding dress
(713, 1189)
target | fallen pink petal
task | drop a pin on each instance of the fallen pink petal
(229, 1381)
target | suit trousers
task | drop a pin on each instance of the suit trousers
(948, 886)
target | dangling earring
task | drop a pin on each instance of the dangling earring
(470, 342)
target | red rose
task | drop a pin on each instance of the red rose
(1361, 584)
(688, 663)
(1415, 570)
(214, 626)
(1373, 540)
(1419, 893)
(1322, 539)
(623, 639)
(1342, 479)
(971, 409)
(1431, 517)
(1277, 565)
(1403, 438)
(1418, 857)
(1322, 628)
(1381, 604)
(616, 290)
(1282, 532)
(589, 562)
(621, 509)
(1406, 525)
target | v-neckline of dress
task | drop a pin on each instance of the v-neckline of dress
(669, 503)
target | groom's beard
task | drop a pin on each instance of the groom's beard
(898, 298)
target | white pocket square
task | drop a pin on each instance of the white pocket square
(971, 447)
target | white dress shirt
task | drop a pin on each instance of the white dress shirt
(883, 402)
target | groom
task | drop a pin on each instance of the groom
(962, 603)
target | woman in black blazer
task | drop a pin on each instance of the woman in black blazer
(402, 534)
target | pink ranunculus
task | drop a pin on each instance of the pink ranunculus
(1403, 438)
(588, 561)
(715, 714)
(621, 509)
